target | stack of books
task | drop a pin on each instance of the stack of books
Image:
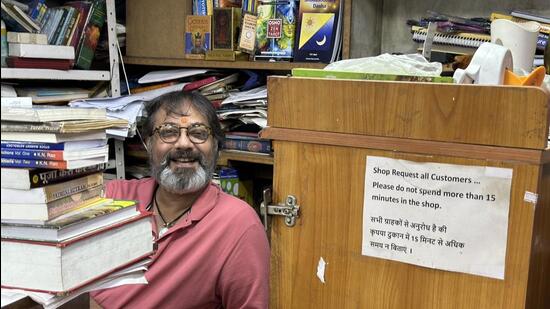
(59, 235)
(53, 37)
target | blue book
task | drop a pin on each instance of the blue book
(318, 31)
(75, 145)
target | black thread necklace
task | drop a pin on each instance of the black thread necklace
(166, 224)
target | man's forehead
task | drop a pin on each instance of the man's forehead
(183, 114)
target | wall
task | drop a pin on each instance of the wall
(379, 26)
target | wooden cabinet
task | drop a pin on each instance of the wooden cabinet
(322, 142)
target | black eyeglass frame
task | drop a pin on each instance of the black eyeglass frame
(158, 128)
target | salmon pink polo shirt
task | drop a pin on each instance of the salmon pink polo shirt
(216, 256)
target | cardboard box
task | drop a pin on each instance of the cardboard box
(156, 29)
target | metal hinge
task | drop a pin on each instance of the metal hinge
(289, 209)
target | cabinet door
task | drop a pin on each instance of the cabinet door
(328, 183)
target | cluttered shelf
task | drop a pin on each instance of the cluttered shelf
(254, 65)
(50, 74)
(232, 155)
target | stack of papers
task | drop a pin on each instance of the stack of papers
(247, 107)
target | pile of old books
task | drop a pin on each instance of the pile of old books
(59, 235)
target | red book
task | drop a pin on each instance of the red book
(199, 83)
(39, 63)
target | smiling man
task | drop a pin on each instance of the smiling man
(212, 251)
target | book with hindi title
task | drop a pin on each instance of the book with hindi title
(28, 178)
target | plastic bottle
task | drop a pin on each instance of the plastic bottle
(4, 44)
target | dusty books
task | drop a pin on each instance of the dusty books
(55, 155)
(97, 214)
(38, 213)
(51, 113)
(70, 126)
(27, 178)
(58, 267)
(41, 51)
(51, 192)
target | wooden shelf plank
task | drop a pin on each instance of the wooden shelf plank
(253, 65)
(50, 74)
(243, 156)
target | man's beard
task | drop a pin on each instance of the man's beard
(183, 180)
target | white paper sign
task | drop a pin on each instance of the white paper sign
(443, 216)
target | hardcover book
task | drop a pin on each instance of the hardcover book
(90, 35)
(53, 164)
(27, 38)
(246, 143)
(61, 267)
(70, 146)
(70, 126)
(41, 51)
(28, 178)
(95, 214)
(51, 192)
(225, 24)
(39, 63)
(275, 30)
(37, 213)
(51, 113)
(197, 36)
(53, 137)
(318, 34)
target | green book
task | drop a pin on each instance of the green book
(90, 35)
(320, 73)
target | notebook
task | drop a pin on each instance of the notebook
(464, 39)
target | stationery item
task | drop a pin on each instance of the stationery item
(487, 67)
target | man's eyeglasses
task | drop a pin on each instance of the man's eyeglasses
(170, 133)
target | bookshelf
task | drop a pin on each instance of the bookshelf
(111, 75)
(242, 156)
(144, 17)
(48, 74)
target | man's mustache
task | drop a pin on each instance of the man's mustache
(182, 154)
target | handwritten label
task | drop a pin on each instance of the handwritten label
(443, 216)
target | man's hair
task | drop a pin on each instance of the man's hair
(171, 103)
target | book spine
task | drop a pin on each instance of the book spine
(59, 27)
(13, 162)
(60, 190)
(197, 84)
(24, 145)
(252, 145)
(71, 28)
(74, 201)
(46, 127)
(52, 155)
(40, 177)
(84, 9)
(90, 35)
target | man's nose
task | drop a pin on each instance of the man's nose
(183, 140)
